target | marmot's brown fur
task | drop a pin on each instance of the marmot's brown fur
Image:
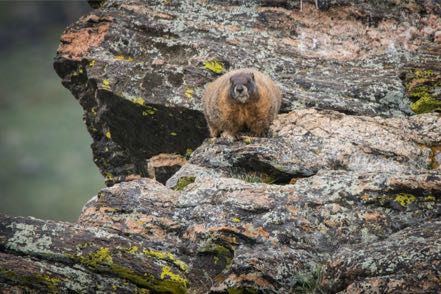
(241, 100)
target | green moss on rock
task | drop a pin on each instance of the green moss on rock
(184, 182)
(421, 88)
(218, 251)
(188, 153)
(425, 102)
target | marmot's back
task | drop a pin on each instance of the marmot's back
(241, 100)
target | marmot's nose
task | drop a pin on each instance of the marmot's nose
(239, 89)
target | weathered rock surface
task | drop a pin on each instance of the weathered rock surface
(60, 257)
(345, 197)
(306, 141)
(138, 68)
(369, 223)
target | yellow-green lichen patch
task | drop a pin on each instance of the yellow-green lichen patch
(235, 220)
(404, 199)
(430, 198)
(102, 260)
(167, 256)
(51, 282)
(78, 72)
(184, 182)
(421, 88)
(108, 135)
(214, 66)
(219, 250)
(167, 273)
(91, 63)
(133, 249)
(138, 100)
(100, 257)
(105, 84)
(123, 58)
(130, 275)
(425, 102)
(149, 111)
(173, 134)
(424, 74)
(189, 93)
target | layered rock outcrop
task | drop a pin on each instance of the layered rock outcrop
(138, 68)
(342, 196)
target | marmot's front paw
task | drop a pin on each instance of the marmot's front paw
(228, 137)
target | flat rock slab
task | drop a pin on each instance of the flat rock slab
(138, 68)
(307, 141)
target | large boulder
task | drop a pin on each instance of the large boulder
(138, 68)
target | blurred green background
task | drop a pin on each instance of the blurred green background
(46, 166)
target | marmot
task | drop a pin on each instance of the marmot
(241, 100)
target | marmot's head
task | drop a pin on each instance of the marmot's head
(242, 87)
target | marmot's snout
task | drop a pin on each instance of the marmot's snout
(242, 87)
(240, 93)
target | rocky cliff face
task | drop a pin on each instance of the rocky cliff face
(343, 196)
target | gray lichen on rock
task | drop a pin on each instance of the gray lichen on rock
(343, 196)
